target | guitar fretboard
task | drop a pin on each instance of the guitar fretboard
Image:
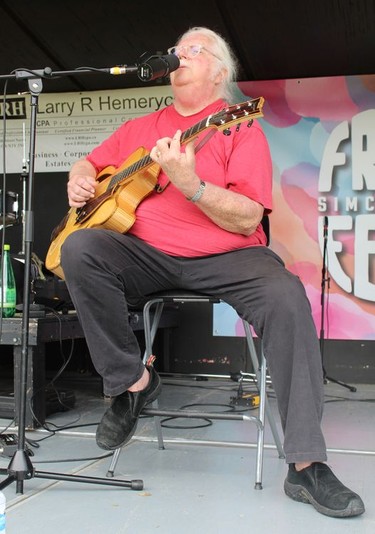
(223, 118)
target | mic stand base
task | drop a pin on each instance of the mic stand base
(329, 379)
(25, 471)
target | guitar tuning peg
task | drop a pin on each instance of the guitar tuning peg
(250, 123)
(227, 131)
(238, 127)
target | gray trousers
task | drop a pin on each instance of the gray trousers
(105, 270)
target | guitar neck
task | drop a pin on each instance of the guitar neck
(219, 121)
(146, 161)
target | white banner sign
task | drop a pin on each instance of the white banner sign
(70, 125)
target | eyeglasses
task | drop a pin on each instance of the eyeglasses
(189, 51)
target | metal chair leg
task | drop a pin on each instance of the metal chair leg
(112, 467)
(256, 367)
(261, 415)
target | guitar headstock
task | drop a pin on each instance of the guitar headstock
(248, 110)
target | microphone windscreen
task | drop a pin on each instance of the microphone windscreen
(173, 62)
(158, 67)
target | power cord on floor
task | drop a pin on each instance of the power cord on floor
(208, 422)
(66, 360)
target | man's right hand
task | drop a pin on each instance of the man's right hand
(82, 184)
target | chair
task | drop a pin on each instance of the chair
(151, 321)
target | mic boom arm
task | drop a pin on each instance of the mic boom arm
(149, 67)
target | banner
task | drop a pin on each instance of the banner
(321, 133)
(322, 138)
(70, 125)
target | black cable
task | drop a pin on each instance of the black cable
(37, 74)
(66, 361)
(164, 422)
(2, 432)
(208, 421)
(231, 408)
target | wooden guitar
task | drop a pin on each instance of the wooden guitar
(120, 190)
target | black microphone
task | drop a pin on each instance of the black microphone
(157, 67)
(325, 226)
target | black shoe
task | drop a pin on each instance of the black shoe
(318, 486)
(120, 420)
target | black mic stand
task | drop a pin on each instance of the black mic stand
(24, 175)
(20, 467)
(326, 280)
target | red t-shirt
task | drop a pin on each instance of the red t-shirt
(240, 162)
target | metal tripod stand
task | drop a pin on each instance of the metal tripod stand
(326, 280)
(20, 467)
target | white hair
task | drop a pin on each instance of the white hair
(222, 50)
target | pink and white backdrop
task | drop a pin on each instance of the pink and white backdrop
(322, 137)
(321, 133)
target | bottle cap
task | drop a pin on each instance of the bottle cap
(6, 247)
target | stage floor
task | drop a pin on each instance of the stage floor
(187, 488)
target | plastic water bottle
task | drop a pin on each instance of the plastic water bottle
(2, 512)
(8, 294)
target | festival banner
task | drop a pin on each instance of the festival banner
(322, 138)
(321, 133)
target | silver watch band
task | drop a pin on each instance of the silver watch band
(199, 193)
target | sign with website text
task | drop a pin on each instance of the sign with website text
(70, 125)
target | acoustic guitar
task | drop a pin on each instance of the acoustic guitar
(120, 190)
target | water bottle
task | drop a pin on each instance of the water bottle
(8, 294)
(2, 513)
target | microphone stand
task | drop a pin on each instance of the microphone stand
(24, 175)
(326, 280)
(20, 467)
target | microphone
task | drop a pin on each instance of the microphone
(148, 68)
(325, 226)
(157, 67)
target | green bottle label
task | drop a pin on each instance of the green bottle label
(7, 285)
(9, 304)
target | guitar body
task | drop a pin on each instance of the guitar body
(120, 190)
(111, 208)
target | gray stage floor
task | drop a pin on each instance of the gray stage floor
(188, 488)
